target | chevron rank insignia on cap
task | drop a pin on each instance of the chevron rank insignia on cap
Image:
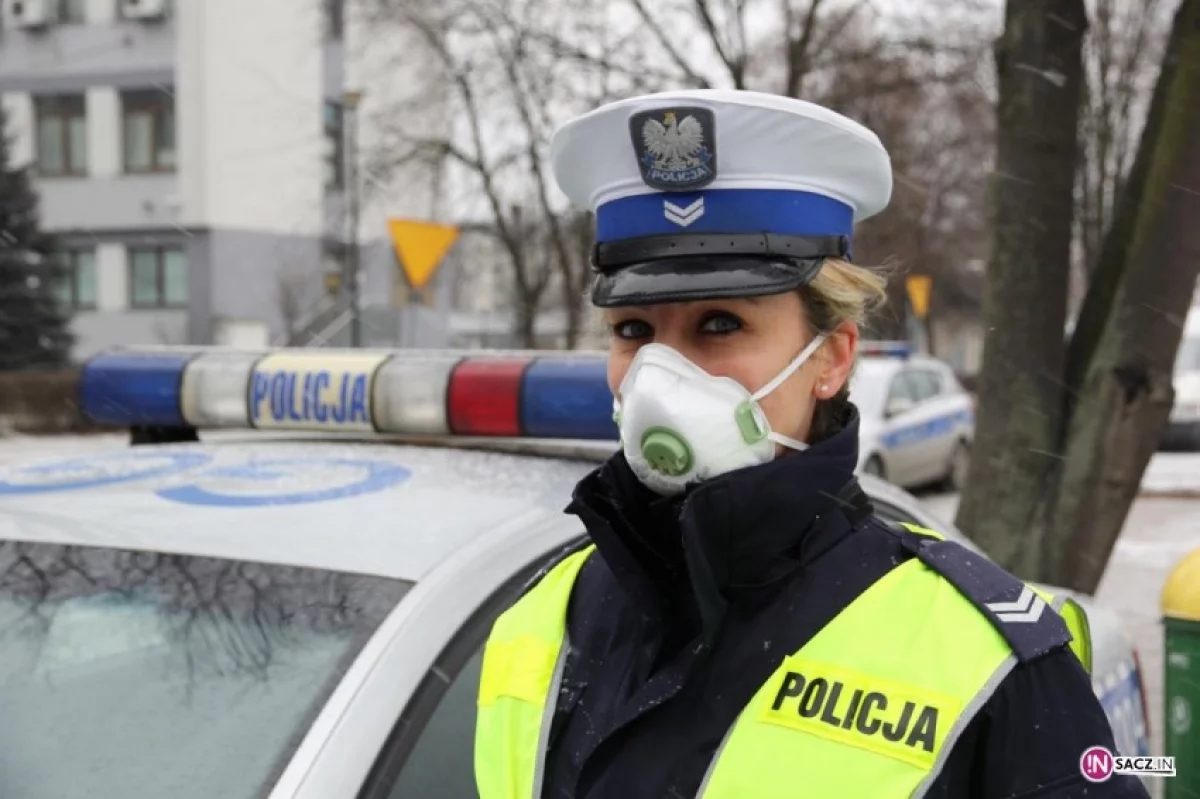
(676, 147)
(683, 215)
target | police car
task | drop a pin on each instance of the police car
(297, 609)
(917, 420)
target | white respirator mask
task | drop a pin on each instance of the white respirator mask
(680, 425)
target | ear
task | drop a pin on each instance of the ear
(840, 350)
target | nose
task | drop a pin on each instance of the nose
(675, 337)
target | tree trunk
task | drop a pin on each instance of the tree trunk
(526, 330)
(1039, 67)
(574, 312)
(1127, 393)
(1105, 280)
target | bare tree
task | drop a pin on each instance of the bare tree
(1039, 64)
(1122, 52)
(292, 290)
(511, 78)
(168, 335)
(1065, 433)
(514, 71)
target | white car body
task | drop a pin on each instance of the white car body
(299, 612)
(467, 527)
(928, 439)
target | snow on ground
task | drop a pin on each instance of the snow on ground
(1157, 534)
(1173, 473)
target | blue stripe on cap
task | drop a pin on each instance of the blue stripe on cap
(788, 213)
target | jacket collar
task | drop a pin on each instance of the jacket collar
(726, 541)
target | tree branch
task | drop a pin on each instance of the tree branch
(799, 47)
(736, 65)
(668, 46)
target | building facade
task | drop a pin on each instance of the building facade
(187, 157)
(190, 159)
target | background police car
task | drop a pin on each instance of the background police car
(917, 420)
(294, 614)
(1183, 430)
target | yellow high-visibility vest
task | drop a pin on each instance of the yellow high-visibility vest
(870, 706)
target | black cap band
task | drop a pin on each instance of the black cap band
(611, 257)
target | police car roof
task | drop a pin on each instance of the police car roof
(322, 502)
(371, 508)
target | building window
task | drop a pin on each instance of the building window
(61, 135)
(72, 11)
(148, 130)
(335, 17)
(75, 278)
(158, 277)
(334, 154)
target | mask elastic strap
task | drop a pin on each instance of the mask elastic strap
(790, 369)
(799, 446)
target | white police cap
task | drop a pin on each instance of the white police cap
(709, 194)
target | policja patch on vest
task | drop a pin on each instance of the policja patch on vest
(880, 715)
(676, 148)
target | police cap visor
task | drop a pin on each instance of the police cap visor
(701, 278)
(660, 269)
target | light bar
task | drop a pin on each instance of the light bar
(135, 390)
(892, 349)
(429, 393)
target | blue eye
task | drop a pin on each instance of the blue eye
(631, 329)
(721, 324)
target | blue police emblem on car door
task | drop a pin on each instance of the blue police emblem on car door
(676, 147)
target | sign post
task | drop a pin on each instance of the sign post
(919, 288)
(420, 248)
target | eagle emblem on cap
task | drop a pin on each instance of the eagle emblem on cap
(676, 147)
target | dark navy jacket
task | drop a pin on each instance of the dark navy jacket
(693, 602)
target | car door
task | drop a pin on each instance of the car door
(937, 414)
(899, 439)
(431, 752)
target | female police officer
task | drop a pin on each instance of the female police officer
(740, 625)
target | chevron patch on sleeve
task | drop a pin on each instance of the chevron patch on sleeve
(1027, 609)
(1031, 628)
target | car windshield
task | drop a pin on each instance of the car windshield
(141, 675)
(1188, 357)
(869, 386)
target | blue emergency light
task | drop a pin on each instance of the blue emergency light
(512, 394)
(887, 349)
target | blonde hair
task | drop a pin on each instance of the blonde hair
(841, 292)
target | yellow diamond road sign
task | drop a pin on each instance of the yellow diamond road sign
(918, 293)
(420, 246)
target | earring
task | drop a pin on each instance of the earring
(824, 388)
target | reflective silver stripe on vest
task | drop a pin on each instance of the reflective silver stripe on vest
(539, 768)
(1059, 601)
(969, 712)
